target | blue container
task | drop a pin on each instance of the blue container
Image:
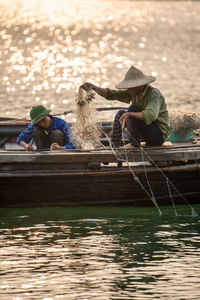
(179, 138)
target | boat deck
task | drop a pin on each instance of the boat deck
(168, 153)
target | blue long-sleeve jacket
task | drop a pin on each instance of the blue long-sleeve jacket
(57, 124)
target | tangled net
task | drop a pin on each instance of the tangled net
(182, 121)
(86, 130)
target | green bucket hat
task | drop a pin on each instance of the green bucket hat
(38, 113)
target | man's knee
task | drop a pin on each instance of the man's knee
(119, 114)
(38, 133)
(57, 133)
(40, 138)
(134, 108)
(58, 137)
(131, 122)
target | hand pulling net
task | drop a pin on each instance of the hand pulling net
(86, 133)
(86, 130)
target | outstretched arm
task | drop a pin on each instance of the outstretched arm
(25, 137)
(89, 86)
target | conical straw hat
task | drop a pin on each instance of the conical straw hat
(133, 78)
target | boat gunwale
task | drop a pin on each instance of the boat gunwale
(99, 172)
(71, 156)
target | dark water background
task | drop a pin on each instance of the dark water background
(99, 253)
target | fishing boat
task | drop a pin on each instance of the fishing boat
(97, 177)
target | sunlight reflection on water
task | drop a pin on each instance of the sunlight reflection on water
(49, 49)
(98, 253)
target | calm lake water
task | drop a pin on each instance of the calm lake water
(99, 253)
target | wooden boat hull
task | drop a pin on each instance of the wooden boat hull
(99, 178)
(24, 189)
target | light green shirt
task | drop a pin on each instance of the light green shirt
(152, 105)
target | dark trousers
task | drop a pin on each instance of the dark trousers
(43, 141)
(137, 129)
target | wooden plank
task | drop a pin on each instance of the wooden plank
(70, 157)
(102, 172)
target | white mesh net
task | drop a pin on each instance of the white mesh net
(86, 129)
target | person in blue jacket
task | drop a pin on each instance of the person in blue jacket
(46, 131)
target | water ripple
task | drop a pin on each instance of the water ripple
(49, 49)
(87, 253)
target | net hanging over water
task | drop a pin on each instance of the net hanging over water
(86, 129)
(157, 185)
(86, 133)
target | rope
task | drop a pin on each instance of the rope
(167, 179)
(152, 197)
(168, 182)
(86, 132)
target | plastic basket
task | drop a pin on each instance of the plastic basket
(179, 138)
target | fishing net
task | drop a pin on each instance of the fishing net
(182, 121)
(86, 129)
(154, 185)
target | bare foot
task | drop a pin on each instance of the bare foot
(128, 147)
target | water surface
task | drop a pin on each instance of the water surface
(49, 48)
(99, 253)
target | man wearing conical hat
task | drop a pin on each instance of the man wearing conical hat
(46, 131)
(146, 118)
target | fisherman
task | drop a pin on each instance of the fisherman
(146, 118)
(47, 131)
